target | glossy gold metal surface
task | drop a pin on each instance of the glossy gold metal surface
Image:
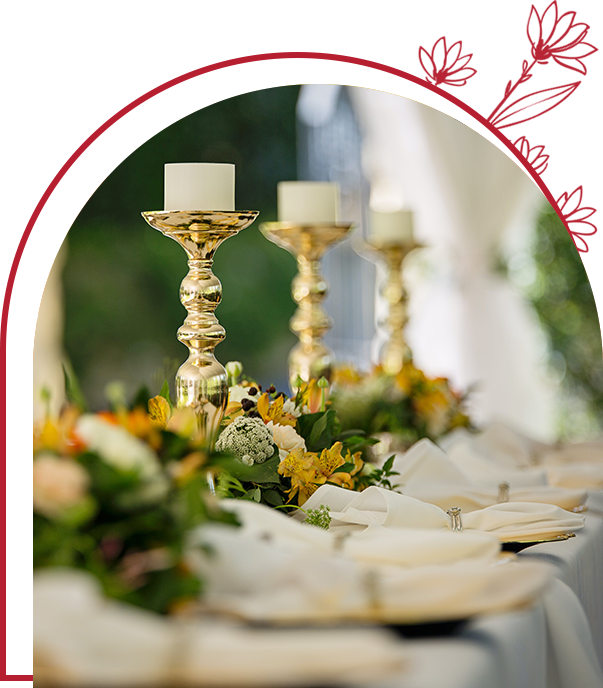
(531, 541)
(311, 358)
(395, 352)
(201, 382)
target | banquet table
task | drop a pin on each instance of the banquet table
(514, 650)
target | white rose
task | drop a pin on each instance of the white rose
(286, 439)
(57, 484)
(115, 445)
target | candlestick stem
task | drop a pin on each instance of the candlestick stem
(395, 351)
(201, 381)
(310, 358)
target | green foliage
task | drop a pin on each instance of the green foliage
(260, 482)
(557, 284)
(321, 517)
(132, 542)
(73, 392)
(380, 477)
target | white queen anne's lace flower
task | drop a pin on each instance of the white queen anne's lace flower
(247, 438)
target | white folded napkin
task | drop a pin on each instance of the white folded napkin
(507, 446)
(396, 595)
(268, 534)
(472, 498)
(578, 475)
(580, 452)
(409, 575)
(493, 454)
(486, 471)
(426, 462)
(518, 521)
(426, 473)
(83, 639)
(377, 506)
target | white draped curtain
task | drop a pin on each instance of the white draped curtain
(473, 207)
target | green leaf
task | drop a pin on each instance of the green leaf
(387, 466)
(257, 494)
(73, 391)
(345, 468)
(258, 473)
(165, 393)
(273, 497)
(319, 428)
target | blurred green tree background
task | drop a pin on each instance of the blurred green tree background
(559, 289)
(122, 277)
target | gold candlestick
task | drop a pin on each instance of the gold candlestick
(311, 358)
(201, 382)
(395, 352)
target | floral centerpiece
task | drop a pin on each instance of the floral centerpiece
(115, 493)
(405, 407)
(288, 447)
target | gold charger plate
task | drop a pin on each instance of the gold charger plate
(518, 545)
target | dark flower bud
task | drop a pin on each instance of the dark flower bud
(247, 404)
(271, 389)
(252, 391)
(254, 414)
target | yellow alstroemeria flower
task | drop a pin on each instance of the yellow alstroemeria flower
(300, 467)
(274, 411)
(159, 411)
(331, 459)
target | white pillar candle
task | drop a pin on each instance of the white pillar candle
(396, 227)
(308, 202)
(199, 186)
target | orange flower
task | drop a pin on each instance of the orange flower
(59, 435)
(311, 395)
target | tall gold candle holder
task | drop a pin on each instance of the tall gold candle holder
(201, 382)
(310, 358)
(395, 351)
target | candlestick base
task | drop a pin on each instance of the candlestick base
(201, 382)
(311, 358)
